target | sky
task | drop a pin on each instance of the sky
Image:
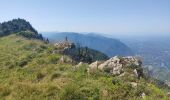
(103, 16)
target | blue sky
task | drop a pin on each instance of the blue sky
(104, 16)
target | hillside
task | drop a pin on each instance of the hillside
(110, 47)
(30, 70)
(19, 26)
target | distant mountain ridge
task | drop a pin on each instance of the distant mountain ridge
(109, 46)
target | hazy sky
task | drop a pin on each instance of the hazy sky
(104, 16)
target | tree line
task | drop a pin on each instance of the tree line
(19, 26)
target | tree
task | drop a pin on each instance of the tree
(19, 25)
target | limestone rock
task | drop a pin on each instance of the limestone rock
(62, 59)
(122, 74)
(100, 67)
(135, 72)
(111, 64)
(80, 64)
(168, 94)
(77, 66)
(115, 65)
(93, 66)
(143, 95)
(134, 84)
(117, 70)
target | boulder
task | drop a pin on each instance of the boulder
(93, 66)
(168, 94)
(79, 64)
(109, 64)
(112, 65)
(115, 65)
(62, 59)
(102, 66)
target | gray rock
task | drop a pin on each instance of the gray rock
(136, 73)
(168, 94)
(62, 59)
(93, 66)
(77, 66)
(112, 65)
(80, 64)
(134, 84)
(115, 65)
(143, 95)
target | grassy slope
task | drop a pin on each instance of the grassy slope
(29, 71)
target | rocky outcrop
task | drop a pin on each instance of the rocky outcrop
(64, 45)
(93, 67)
(116, 65)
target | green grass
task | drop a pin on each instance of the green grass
(29, 71)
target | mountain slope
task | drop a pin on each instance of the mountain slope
(29, 70)
(110, 47)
